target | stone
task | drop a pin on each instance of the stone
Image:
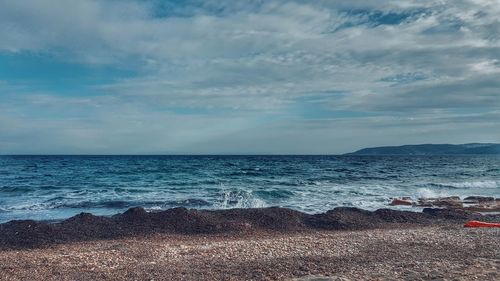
(401, 202)
(478, 199)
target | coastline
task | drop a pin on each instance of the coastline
(252, 244)
(137, 221)
(414, 253)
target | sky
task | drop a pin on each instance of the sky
(246, 77)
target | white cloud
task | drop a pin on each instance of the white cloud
(256, 59)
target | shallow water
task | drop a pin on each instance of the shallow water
(55, 187)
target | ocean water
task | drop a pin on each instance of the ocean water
(56, 187)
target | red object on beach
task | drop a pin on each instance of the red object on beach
(481, 224)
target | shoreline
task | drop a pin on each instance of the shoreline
(137, 222)
(253, 244)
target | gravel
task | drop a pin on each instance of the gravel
(444, 252)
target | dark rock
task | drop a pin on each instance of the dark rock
(478, 199)
(484, 208)
(137, 212)
(449, 202)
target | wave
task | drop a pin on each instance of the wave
(113, 204)
(58, 203)
(192, 182)
(120, 204)
(189, 203)
(294, 183)
(27, 188)
(274, 194)
(243, 173)
(239, 199)
(428, 193)
(468, 184)
(492, 170)
(16, 189)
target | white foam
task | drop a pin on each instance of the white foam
(428, 193)
(473, 184)
(239, 199)
(154, 208)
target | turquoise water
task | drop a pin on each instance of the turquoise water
(55, 187)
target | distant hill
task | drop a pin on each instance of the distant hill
(432, 149)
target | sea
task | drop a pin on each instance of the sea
(58, 187)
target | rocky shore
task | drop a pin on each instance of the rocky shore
(471, 203)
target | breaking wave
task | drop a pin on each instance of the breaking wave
(469, 184)
(239, 199)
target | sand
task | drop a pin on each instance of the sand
(445, 252)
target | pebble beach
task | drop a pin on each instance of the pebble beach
(253, 244)
(417, 253)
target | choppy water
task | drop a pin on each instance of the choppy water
(54, 187)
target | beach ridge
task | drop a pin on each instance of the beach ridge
(138, 222)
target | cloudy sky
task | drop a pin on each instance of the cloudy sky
(226, 76)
